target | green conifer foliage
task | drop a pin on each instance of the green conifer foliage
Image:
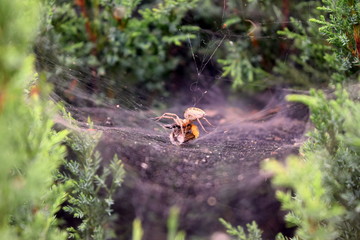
(324, 203)
(91, 187)
(252, 231)
(341, 26)
(30, 151)
(335, 145)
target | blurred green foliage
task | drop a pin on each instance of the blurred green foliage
(242, 68)
(323, 182)
(323, 196)
(30, 150)
(309, 210)
(327, 54)
(172, 226)
(137, 232)
(15, 42)
(108, 45)
(335, 142)
(325, 203)
(252, 46)
(112, 44)
(312, 61)
(283, 44)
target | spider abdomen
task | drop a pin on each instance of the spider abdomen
(194, 113)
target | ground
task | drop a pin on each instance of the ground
(215, 176)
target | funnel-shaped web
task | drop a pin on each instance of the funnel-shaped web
(216, 175)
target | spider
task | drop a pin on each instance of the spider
(191, 114)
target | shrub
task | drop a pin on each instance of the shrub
(324, 203)
(312, 56)
(308, 207)
(312, 61)
(335, 144)
(91, 186)
(341, 27)
(250, 48)
(120, 42)
(30, 151)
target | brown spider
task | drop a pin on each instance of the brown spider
(191, 114)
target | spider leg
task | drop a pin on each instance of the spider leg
(174, 117)
(168, 116)
(207, 121)
(180, 122)
(201, 125)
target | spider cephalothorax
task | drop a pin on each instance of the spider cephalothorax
(184, 129)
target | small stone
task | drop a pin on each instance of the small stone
(211, 201)
(144, 165)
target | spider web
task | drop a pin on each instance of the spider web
(216, 175)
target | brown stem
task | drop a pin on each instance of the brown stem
(91, 34)
(357, 40)
(286, 12)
